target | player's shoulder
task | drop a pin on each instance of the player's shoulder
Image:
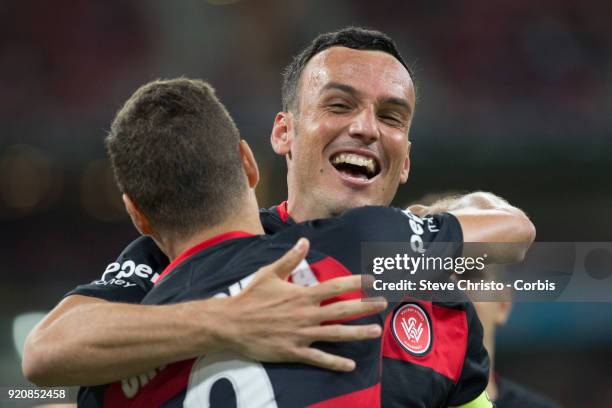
(144, 244)
(381, 214)
(372, 219)
(511, 394)
(374, 211)
(395, 224)
(144, 250)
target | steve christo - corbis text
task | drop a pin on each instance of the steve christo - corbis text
(459, 265)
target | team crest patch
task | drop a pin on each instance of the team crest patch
(412, 329)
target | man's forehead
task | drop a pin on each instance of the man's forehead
(377, 71)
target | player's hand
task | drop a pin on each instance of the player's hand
(273, 320)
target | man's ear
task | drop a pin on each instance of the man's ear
(249, 163)
(406, 165)
(141, 222)
(282, 134)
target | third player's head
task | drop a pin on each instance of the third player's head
(348, 101)
(178, 159)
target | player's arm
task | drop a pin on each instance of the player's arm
(89, 341)
(488, 219)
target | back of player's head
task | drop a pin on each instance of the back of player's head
(350, 37)
(175, 152)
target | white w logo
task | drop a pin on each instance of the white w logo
(412, 332)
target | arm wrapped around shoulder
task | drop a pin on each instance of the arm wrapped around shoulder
(487, 218)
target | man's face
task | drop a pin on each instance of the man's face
(348, 141)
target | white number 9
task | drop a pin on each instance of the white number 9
(249, 379)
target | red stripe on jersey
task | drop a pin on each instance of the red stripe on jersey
(450, 337)
(158, 388)
(282, 211)
(329, 268)
(217, 239)
(367, 398)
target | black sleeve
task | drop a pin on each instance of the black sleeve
(438, 228)
(130, 277)
(390, 224)
(439, 234)
(344, 236)
(475, 373)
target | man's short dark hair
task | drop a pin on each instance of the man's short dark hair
(175, 152)
(350, 37)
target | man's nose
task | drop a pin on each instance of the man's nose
(364, 126)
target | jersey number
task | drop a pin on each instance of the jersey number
(252, 386)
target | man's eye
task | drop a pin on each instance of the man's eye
(339, 106)
(392, 120)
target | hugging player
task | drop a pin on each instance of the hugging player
(351, 119)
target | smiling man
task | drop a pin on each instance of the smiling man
(348, 102)
(344, 128)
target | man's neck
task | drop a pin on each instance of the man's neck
(245, 220)
(301, 211)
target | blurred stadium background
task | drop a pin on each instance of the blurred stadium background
(515, 97)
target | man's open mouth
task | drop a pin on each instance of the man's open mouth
(355, 165)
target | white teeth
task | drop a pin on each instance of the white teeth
(356, 160)
(370, 166)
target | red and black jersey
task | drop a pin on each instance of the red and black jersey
(453, 369)
(130, 277)
(222, 266)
